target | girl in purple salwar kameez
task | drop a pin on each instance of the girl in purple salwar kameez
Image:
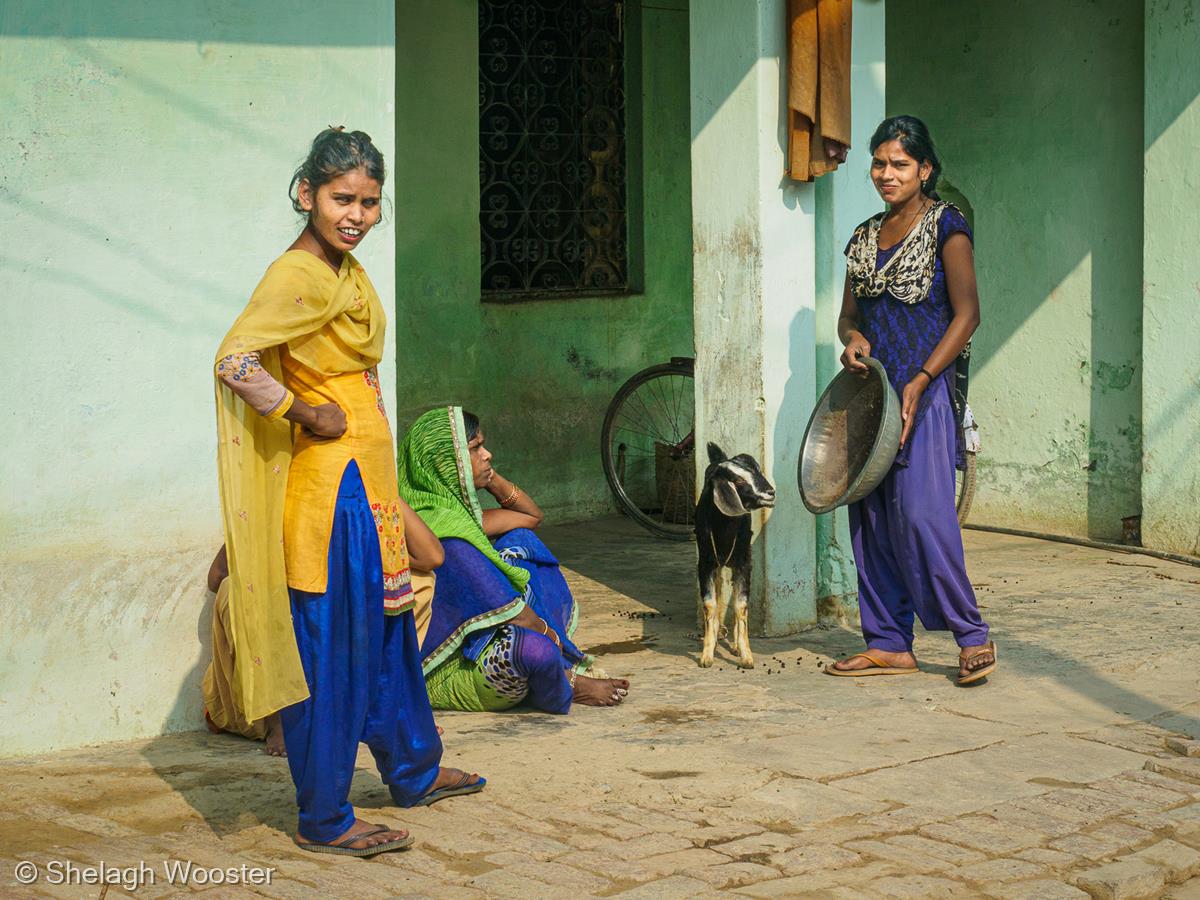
(911, 302)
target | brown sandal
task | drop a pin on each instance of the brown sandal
(984, 670)
(877, 667)
(343, 848)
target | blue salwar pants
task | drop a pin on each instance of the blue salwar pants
(364, 678)
(908, 546)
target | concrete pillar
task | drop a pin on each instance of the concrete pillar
(1171, 277)
(754, 289)
(845, 198)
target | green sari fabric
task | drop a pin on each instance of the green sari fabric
(434, 473)
(459, 684)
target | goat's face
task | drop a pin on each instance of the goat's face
(738, 484)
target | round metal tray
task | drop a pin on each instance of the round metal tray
(851, 440)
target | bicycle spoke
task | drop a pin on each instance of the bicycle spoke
(667, 406)
(659, 439)
(641, 426)
(678, 399)
(657, 390)
(660, 436)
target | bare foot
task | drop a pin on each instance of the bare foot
(360, 827)
(599, 691)
(854, 663)
(275, 745)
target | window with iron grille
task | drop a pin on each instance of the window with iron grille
(552, 174)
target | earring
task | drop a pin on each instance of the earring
(924, 183)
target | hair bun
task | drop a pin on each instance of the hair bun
(335, 152)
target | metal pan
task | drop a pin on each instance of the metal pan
(851, 440)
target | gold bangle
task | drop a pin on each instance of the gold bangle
(281, 407)
(516, 492)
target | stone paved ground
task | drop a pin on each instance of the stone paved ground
(1072, 773)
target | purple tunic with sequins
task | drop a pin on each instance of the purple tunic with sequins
(903, 335)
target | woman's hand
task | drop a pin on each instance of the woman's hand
(857, 346)
(908, 403)
(328, 421)
(324, 421)
(517, 508)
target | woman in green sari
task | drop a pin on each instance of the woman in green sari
(500, 624)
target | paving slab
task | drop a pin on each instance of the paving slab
(970, 780)
(1179, 862)
(1127, 879)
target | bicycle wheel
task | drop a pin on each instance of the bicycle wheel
(964, 488)
(647, 446)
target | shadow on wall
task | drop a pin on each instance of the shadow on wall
(272, 22)
(795, 406)
(188, 706)
(1064, 395)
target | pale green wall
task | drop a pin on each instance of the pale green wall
(144, 163)
(539, 374)
(1171, 335)
(845, 198)
(1035, 108)
(754, 288)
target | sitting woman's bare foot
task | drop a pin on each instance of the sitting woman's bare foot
(860, 661)
(599, 691)
(372, 836)
(275, 745)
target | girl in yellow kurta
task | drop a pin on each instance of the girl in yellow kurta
(319, 594)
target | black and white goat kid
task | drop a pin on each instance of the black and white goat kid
(732, 489)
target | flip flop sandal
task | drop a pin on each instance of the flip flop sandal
(877, 667)
(983, 671)
(464, 785)
(343, 848)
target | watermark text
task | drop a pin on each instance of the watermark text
(181, 873)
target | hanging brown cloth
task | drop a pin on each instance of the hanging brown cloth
(818, 86)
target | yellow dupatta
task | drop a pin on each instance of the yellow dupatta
(333, 324)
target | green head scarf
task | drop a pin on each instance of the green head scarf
(434, 472)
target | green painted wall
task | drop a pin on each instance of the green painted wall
(144, 163)
(1035, 108)
(539, 374)
(1171, 326)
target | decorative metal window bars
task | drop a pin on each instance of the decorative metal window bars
(552, 173)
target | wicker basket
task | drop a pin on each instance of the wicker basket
(675, 481)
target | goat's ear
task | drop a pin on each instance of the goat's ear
(716, 454)
(726, 497)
